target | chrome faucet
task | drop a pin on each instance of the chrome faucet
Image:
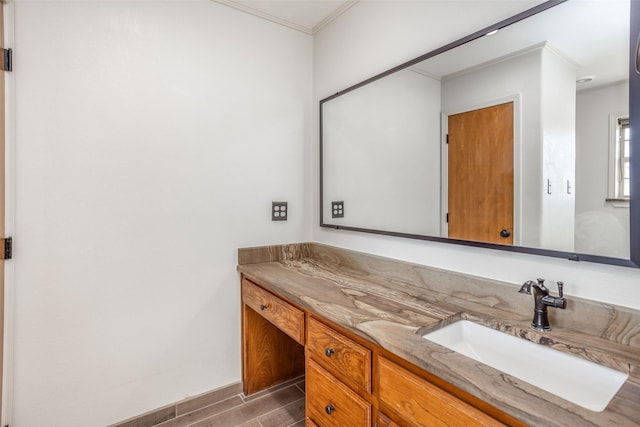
(543, 300)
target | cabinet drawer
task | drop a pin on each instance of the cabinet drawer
(421, 403)
(340, 355)
(283, 315)
(331, 403)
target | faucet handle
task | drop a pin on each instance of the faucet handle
(541, 285)
(560, 286)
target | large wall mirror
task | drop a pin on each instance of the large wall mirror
(516, 137)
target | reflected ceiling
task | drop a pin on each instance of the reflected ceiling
(588, 45)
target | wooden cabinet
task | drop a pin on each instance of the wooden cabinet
(419, 403)
(384, 421)
(269, 355)
(329, 402)
(341, 356)
(338, 378)
(283, 315)
(340, 388)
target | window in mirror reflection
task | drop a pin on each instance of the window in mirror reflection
(623, 181)
(619, 160)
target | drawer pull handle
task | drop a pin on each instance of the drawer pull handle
(329, 352)
(329, 409)
(263, 307)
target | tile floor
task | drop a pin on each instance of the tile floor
(279, 406)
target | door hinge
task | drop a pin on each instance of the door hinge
(447, 138)
(7, 59)
(447, 216)
(8, 248)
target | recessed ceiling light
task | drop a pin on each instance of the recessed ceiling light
(585, 79)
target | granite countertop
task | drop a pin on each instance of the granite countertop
(393, 310)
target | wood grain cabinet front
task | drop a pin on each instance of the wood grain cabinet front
(419, 403)
(341, 356)
(339, 369)
(272, 339)
(309, 423)
(384, 421)
(330, 403)
(283, 315)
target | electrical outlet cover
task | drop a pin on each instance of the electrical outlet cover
(279, 211)
(337, 209)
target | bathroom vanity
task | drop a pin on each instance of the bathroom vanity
(354, 325)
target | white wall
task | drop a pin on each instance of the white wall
(374, 36)
(600, 227)
(406, 110)
(558, 127)
(151, 138)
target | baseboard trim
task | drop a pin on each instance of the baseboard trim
(173, 410)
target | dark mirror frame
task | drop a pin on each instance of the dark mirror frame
(634, 115)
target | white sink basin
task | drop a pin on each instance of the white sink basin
(584, 383)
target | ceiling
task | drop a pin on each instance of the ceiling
(307, 16)
(563, 30)
(593, 36)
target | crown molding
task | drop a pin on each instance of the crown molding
(334, 15)
(310, 31)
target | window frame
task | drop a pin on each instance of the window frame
(617, 159)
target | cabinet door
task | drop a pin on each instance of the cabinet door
(341, 356)
(421, 403)
(330, 403)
